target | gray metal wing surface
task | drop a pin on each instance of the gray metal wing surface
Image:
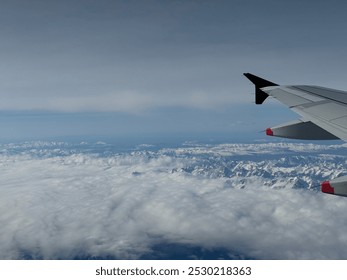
(324, 107)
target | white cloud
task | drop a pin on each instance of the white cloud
(83, 205)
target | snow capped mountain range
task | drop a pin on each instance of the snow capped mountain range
(91, 200)
(276, 166)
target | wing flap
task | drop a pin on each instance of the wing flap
(289, 99)
(327, 111)
(341, 122)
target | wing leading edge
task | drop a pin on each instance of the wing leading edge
(323, 114)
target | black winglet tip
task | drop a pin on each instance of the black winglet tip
(259, 82)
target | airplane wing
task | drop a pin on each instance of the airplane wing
(323, 114)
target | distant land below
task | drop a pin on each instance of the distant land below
(189, 200)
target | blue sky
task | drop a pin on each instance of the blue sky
(132, 68)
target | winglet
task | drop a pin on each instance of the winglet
(259, 83)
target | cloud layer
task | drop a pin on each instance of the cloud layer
(61, 203)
